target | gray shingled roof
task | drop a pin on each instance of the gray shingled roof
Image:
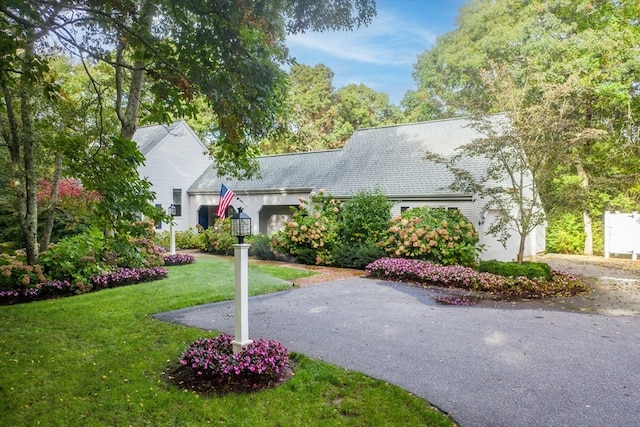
(390, 158)
(283, 171)
(147, 137)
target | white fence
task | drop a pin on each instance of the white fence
(622, 234)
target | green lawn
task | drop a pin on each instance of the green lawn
(98, 359)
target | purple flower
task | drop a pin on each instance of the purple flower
(214, 358)
(179, 259)
(455, 276)
(128, 276)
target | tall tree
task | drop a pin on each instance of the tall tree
(71, 119)
(318, 116)
(580, 53)
(229, 51)
(419, 106)
(21, 80)
(363, 107)
(519, 149)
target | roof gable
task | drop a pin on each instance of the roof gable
(149, 137)
(392, 158)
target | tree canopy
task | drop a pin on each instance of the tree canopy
(566, 75)
(161, 55)
(228, 50)
(318, 116)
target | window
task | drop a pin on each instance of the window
(403, 208)
(177, 200)
(159, 224)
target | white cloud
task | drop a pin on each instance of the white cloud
(389, 40)
(381, 55)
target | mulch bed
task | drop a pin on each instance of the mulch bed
(185, 378)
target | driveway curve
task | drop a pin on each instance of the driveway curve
(485, 366)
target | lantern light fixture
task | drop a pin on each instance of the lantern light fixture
(240, 225)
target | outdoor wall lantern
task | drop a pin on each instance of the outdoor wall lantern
(171, 210)
(241, 227)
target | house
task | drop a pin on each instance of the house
(390, 158)
(174, 158)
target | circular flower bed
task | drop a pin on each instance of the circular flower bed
(178, 259)
(209, 366)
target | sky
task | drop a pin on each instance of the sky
(381, 55)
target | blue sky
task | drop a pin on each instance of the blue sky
(381, 55)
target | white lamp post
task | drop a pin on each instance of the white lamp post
(241, 227)
(171, 210)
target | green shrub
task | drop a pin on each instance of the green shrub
(16, 275)
(80, 257)
(185, 239)
(134, 247)
(188, 239)
(312, 234)
(357, 255)
(261, 248)
(75, 258)
(531, 270)
(7, 248)
(218, 239)
(127, 251)
(432, 234)
(265, 248)
(161, 238)
(565, 234)
(311, 256)
(365, 217)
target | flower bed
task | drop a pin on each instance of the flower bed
(209, 365)
(63, 288)
(179, 259)
(428, 274)
(128, 276)
(50, 289)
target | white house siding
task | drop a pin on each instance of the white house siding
(538, 240)
(273, 218)
(390, 159)
(466, 208)
(493, 249)
(175, 162)
(268, 211)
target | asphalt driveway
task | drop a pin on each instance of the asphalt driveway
(485, 366)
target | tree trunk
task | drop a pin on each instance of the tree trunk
(27, 199)
(129, 120)
(48, 228)
(521, 246)
(586, 216)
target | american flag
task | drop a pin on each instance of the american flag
(226, 197)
